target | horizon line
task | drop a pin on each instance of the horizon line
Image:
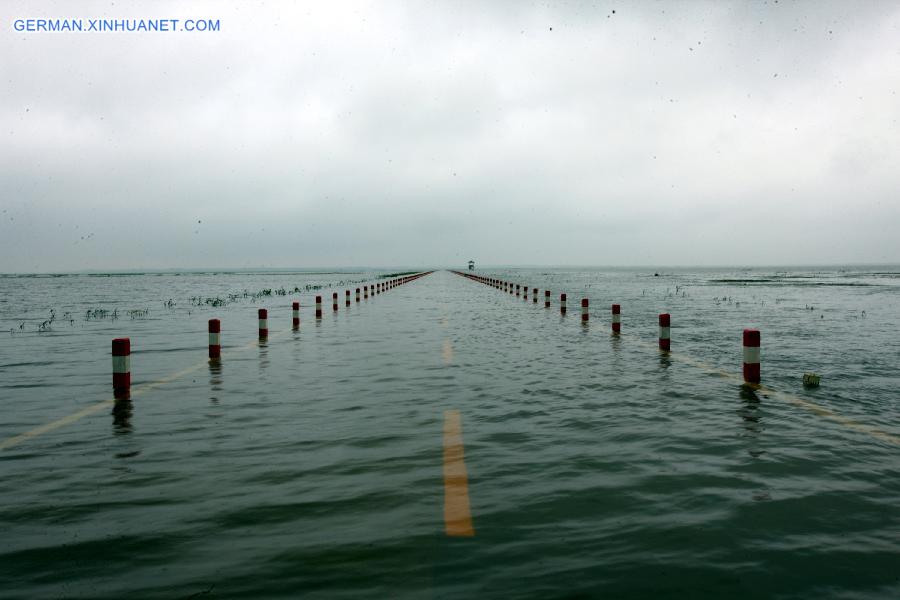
(324, 270)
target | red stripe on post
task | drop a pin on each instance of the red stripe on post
(751, 338)
(121, 347)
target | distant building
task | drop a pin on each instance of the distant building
(471, 265)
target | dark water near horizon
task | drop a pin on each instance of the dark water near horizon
(311, 465)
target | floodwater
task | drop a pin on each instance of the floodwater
(447, 440)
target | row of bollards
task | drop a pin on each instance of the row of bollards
(121, 347)
(751, 339)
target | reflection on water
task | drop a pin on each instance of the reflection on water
(121, 412)
(665, 360)
(263, 354)
(215, 379)
(615, 342)
(749, 410)
(608, 458)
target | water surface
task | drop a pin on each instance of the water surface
(311, 465)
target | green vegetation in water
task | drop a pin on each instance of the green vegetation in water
(200, 301)
(100, 313)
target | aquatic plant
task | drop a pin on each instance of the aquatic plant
(100, 313)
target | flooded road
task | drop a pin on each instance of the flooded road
(445, 439)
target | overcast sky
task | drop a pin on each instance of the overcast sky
(414, 133)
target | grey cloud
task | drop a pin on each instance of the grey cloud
(392, 133)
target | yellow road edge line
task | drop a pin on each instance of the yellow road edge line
(18, 439)
(812, 407)
(91, 409)
(457, 511)
(447, 352)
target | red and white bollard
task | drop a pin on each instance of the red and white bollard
(263, 315)
(215, 339)
(318, 307)
(616, 318)
(366, 291)
(546, 298)
(584, 310)
(347, 298)
(357, 294)
(534, 294)
(295, 316)
(525, 292)
(664, 329)
(517, 289)
(334, 301)
(562, 303)
(121, 366)
(751, 355)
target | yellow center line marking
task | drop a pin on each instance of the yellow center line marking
(447, 352)
(457, 513)
(137, 391)
(796, 400)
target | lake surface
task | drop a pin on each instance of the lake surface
(315, 464)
